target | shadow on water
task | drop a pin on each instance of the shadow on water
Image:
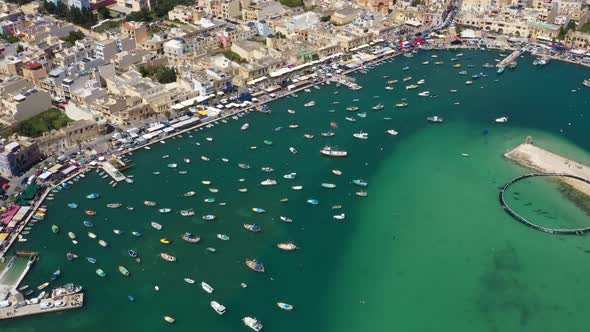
(504, 292)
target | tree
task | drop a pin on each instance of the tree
(74, 36)
(104, 13)
(19, 48)
(325, 18)
(292, 3)
(165, 75)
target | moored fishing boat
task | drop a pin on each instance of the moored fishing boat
(285, 219)
(292, 149)
(400, 105)
(219, 308)
(255, 265)
(209, 217)
(313, 201)
(361, 193)
(245, 126)
(223, 237)
(360, 182)
(165, 210)
(328, 134)
(268, 182)
(56, 275)
(149, 203)
(330, 152)
(328, 185)
(123, 270)
(189, 281)
(244, 166)
(288, 246)
(435, 119)
(341, 216)
(206, 287)
(169, 319)
(290, 176)
(258, 210)
(103, 243)
(337, 172)
(392, 132)
(361, 135)
(55, 229)
(156, 226)
(191, 238)
(71, 235)
(252, 228)
(91, 235)
(187, 213)
(167, 257)
(165, 241)
(101, 273)
(132, 253)
(71, 256)
(114, 205)
(189, 193)
(252, 323)
(309, 104)
(503, 119)
(285, 306)
(90, 212)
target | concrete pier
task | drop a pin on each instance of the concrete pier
(74, 301)
(534, 157)
(113, 172)
(511, 58)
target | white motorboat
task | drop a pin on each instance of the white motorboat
(361, 135)
(268, 182)
(245, 126)
(155, 225)
(424, 94)
(219, 308)
(502, 119)
(206, 287)
(252, 323)
(392, 132)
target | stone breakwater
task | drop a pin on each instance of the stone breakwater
(539, 159)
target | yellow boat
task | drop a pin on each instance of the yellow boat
(458, 65)
(165, 241)
(169, 319)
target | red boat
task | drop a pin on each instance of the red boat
(90, 212)
(333, 125)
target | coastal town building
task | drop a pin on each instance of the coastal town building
(134, 30)
(20, 100)
(123, 111)
(71, 136)
(17, 155)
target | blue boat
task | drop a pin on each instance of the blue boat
(65, 185)
(72, 205)
(56, 275)
(360, 183)
(209, 217)
(88, 223)
(136, 233)
(91, 260)
(132, 253)
(92, 196)
(258, 210)
(328, 134)
(313, 201)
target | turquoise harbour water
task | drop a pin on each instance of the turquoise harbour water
(428, 249)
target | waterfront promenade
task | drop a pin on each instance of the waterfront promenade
(68, 302)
